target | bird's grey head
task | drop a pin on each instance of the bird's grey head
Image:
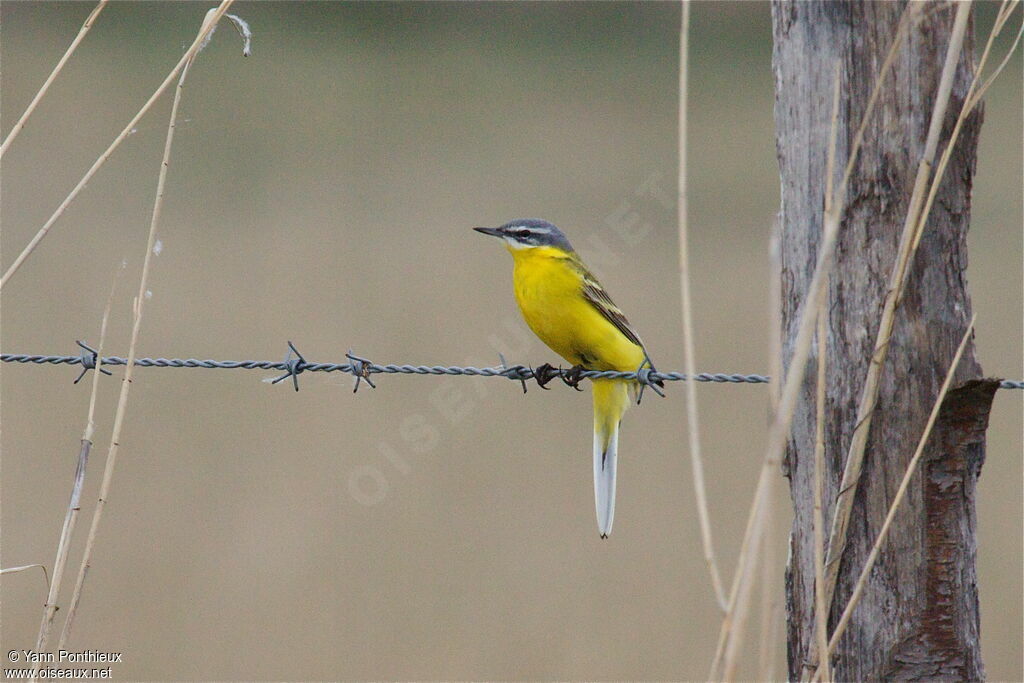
(524, 233)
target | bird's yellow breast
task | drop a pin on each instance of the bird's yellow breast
(549, 289)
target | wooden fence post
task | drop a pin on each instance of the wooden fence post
(919, 616)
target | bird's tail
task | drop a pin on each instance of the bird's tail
(610, 402)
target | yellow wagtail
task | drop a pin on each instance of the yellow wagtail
(565, 305)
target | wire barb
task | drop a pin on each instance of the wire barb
(361, 369)
(88, 359)
(514, 372)
(293, 366)
(644, 378)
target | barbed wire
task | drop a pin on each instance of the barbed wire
(361, 368)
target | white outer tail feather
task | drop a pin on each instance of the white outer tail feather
(605, 463)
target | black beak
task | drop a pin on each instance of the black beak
(493, 232)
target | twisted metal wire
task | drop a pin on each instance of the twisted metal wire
(362, 368)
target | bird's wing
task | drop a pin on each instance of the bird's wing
(594, 293)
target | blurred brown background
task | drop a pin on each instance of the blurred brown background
(322, 191)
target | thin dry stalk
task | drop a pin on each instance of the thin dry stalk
(761, 491)
(197, 44)
(122, 404)
(901, 492)
(742, 608)
(1000, 18)
(777, 620)
(766, 627)
(53, 75)
(869, 396)
(830, 163)
(820, 608)
(71, 517)
(1004, 15)
(769, 595)
(26, 567)
(775, 316)
(693, 425)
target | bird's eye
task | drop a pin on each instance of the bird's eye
(522, 233)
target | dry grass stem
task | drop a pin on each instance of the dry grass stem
(869, 396)
(901, 492)
(74, 507)
(767, 628)
(761, 490)
(770, 604)
(53, 75)
(775, 316)
(692, 422)
(820, 607)
(208, 27)
(741, 611)
(1000, 21)
(830, 162)
(26, 567)
(767, 606)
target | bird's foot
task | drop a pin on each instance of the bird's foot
(573, 377)
(545, 373)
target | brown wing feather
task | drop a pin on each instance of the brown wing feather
(599, 299)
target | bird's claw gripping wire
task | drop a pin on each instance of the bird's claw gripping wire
(360, 369)
(293, 366)
(513, 372)
(89, 359)
(573, 376)
(545, 373)
(643, 376)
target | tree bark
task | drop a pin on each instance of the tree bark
(919, 616)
